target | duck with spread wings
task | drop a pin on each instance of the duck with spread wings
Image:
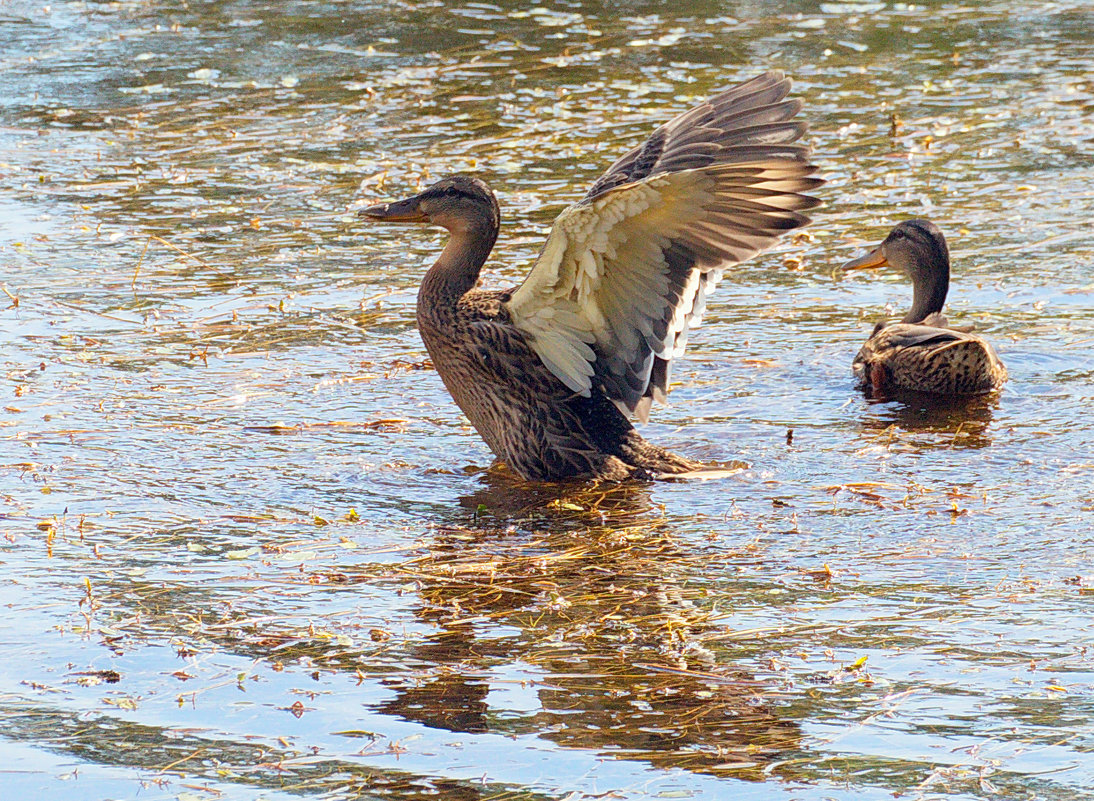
(549, 372)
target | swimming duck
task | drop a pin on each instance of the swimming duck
(922, 352)
(550, 371)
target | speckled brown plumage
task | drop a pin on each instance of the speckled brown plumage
(922, 352)
(549, 371)
(539, 427)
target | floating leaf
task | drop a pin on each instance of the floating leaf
(243, 553)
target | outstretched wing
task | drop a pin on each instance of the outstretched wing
(750, 122)
(625, 272)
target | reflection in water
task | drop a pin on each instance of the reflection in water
(708, 723)
(604, 615)
(454, 699)
(949, 422)
(113, 742)
(505, 496)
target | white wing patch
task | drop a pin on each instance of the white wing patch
(562, 306)
(622, 278)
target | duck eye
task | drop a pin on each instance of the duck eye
(451, 191)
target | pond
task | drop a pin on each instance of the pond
(251, 549)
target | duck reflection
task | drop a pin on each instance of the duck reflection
(947, 423)
(591, 591)
(454, 700)
(505, 496)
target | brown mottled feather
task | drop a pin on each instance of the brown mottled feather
(928, 359)
(539, 427)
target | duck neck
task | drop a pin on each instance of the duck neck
(929, 294)
(457, 270)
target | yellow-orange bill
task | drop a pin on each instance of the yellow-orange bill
(408, 210)
(875, 258)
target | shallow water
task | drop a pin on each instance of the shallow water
(251, 550)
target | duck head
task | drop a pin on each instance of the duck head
(458, 203)
(918, 249)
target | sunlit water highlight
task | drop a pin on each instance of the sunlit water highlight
(250, 548)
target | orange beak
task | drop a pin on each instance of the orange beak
(872, 260)
(409, 210)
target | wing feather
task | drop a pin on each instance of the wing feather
(626, 272)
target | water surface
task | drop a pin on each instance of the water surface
(251, 549)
